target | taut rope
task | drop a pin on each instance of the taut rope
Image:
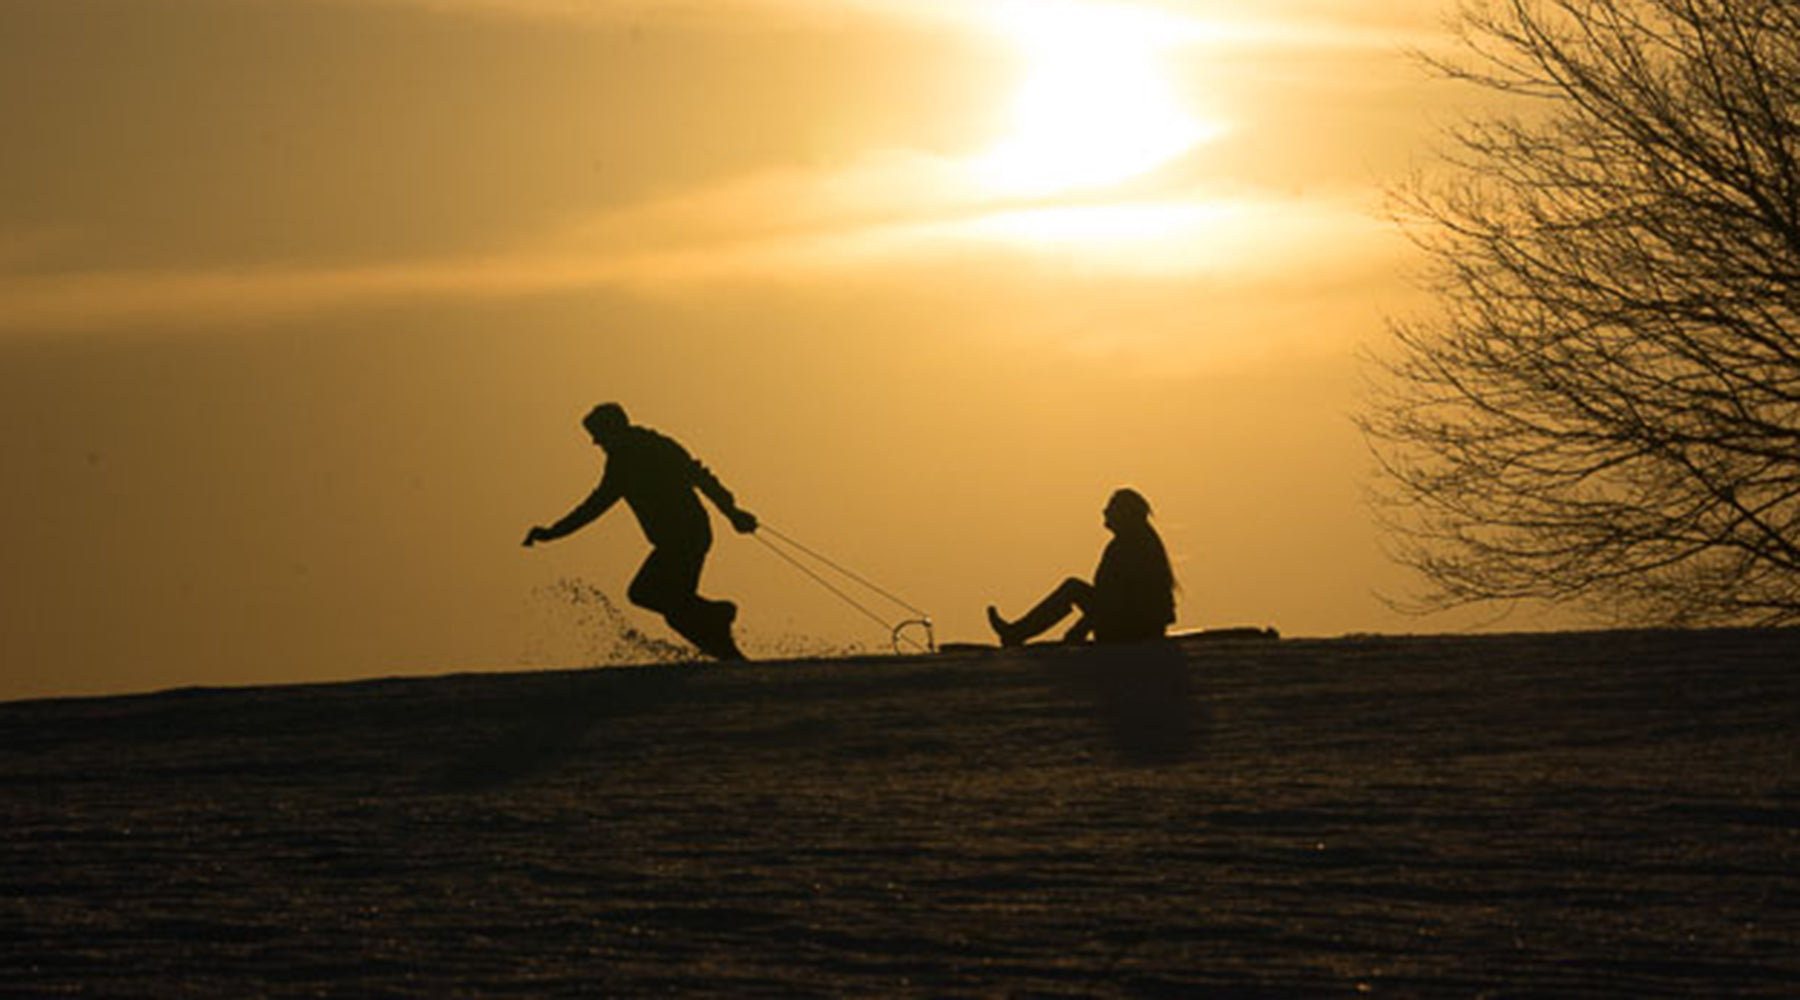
(896, 630)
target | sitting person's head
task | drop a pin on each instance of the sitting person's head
(1127, 508)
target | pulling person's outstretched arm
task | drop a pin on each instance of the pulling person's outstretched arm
(585, 513)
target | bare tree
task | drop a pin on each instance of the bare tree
(1607, 409)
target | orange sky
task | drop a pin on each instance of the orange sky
(301, 302)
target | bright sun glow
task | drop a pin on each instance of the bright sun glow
(1096, 106)
(1100, 224)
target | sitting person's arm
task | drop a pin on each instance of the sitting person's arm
(1081, 631)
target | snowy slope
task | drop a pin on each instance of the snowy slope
(1599, 814)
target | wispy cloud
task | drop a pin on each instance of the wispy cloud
(662, 11)
(888, 211)
(22, 247)
(891, 214)
(1308, 23)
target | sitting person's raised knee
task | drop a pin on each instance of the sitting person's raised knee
(1076, 589)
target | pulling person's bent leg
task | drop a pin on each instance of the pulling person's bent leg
(668, 584)
(668, 580)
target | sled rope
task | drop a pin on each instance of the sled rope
(896, 630)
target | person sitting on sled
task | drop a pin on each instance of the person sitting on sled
(1133, 594)
(657, 478)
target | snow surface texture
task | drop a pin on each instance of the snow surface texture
(1609, 814)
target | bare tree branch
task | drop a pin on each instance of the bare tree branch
(1607, 410)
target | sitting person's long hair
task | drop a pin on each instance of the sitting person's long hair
(1134, 513)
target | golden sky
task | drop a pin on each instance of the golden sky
(301, 302)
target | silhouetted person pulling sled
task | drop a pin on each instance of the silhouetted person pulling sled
(1133, 594)
(657, 478)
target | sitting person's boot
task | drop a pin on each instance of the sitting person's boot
(1007, 632)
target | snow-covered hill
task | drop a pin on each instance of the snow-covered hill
(1581, 814)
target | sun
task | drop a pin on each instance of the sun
(1096, 105)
